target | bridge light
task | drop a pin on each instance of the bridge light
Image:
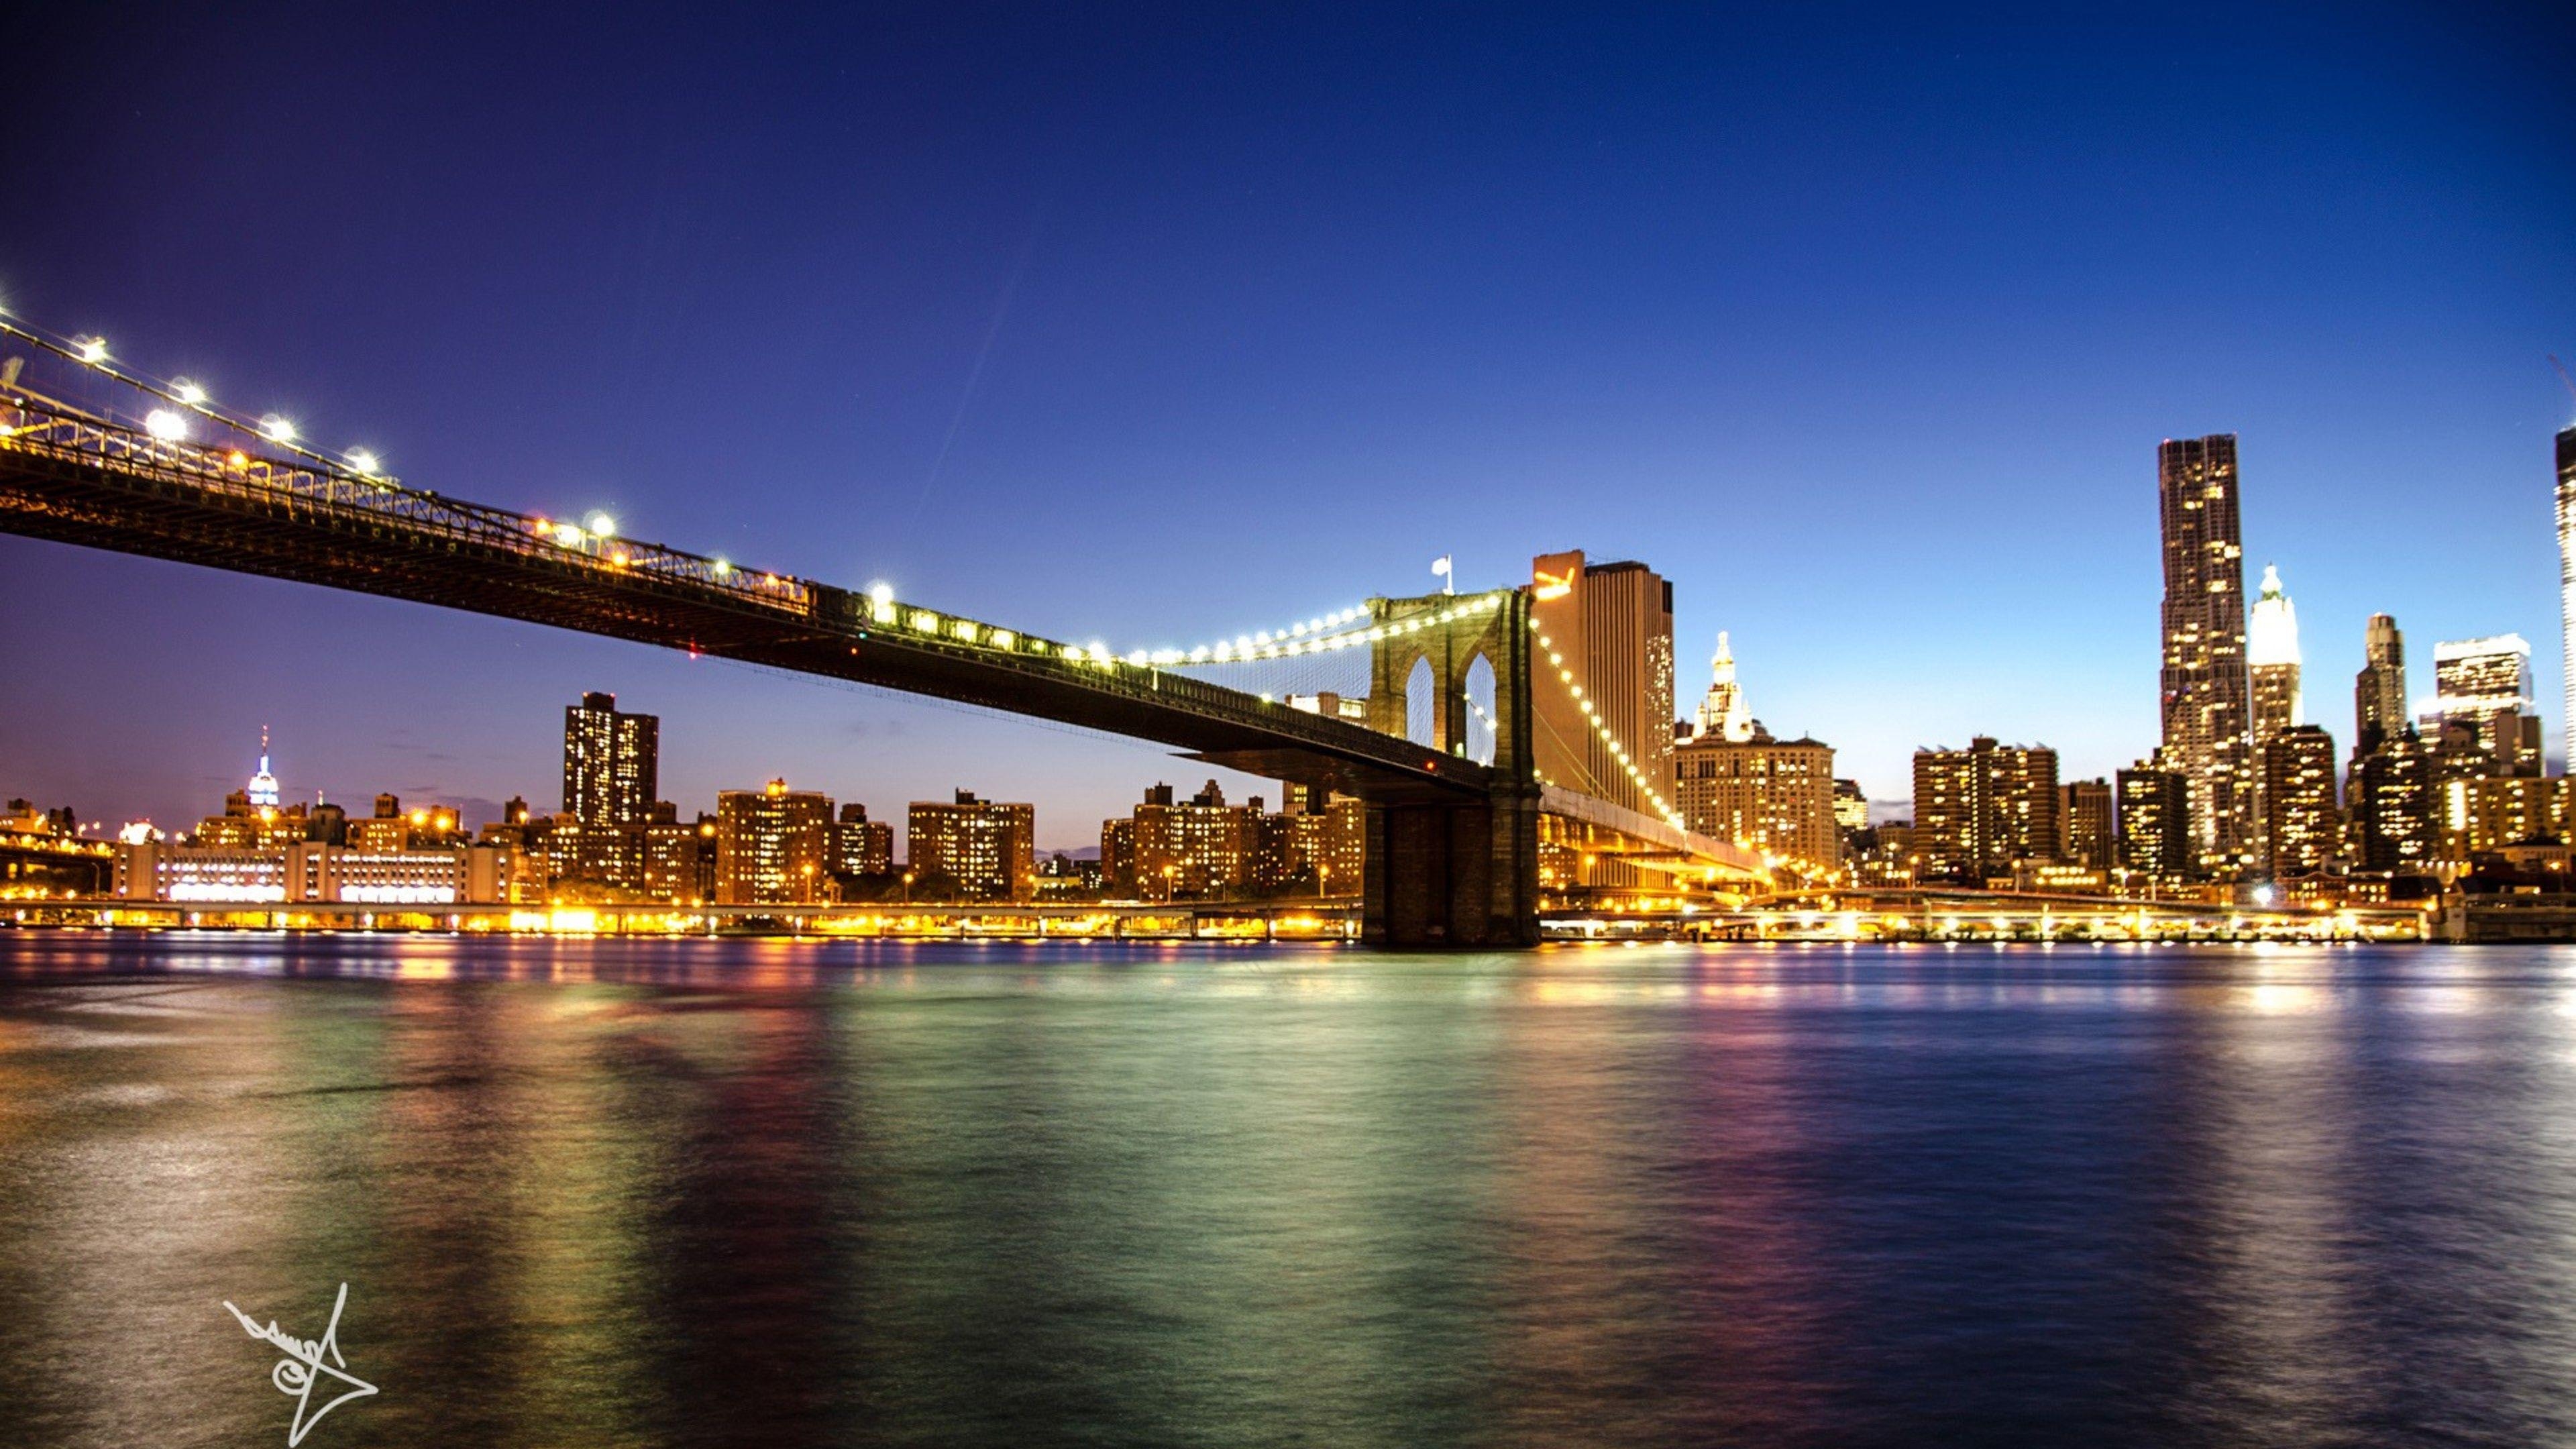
(569, 535)
(363, 461)
(188, 393)
(722, 568)
(602, 525)
(277, 429)
(92, 350)
(166, 425)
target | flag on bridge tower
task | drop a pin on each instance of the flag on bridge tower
(1448, 581)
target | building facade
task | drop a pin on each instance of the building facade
(2482, 721)
(2392, 804)
(2089, 820)
(2156, 838)
(2302, 828)
(1985, 810)
(2207, 732)
(611, 777)
(2567, 588)
(771, 846)
(986, 848)
(1774, 795)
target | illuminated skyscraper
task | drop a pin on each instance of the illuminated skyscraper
(1613, 626)
(611, 769)
(2302, 830)
(2567, 585)
(2392, 802)
(2482, 708)
(2379, 691)
(2207, 736)
(2272, 659)
(611, 762)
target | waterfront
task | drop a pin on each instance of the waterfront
(647, 1192)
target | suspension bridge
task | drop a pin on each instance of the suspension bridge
(97, 453)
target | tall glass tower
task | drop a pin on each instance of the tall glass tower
(2207, 732)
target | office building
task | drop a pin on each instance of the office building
(2156, 838)
(1612, 626)
(1985, 810)
(2482, 721)
(2302, 829)
(2207, 734)
(771, 846)
(2089, 822)
(679, 864)
(980, 849)
(1774, 795)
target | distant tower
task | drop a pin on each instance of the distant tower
(2272, 658)
(2379, 691)
(1722, 714)
(2207, 736)
(2567, 582)
(263, 786)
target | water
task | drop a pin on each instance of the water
(605, 1193)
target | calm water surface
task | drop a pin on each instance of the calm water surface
(608, 1193)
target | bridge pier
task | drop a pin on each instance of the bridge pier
(1455, 875)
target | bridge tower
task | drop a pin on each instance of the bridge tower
(1447, 871)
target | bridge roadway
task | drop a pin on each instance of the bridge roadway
(78, 479)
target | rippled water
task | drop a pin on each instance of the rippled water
(604, 1193)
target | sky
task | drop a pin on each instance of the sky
(1163, 324)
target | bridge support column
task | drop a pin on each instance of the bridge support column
(1461, 874)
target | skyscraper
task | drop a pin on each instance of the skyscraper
(2567, 584)
(2301, 828)
(2272, 659)
(2392, 803)
(1774, 795)
(2482, 706)
(1613, 627)
(2379, 691)
(2207, 736)
(611, 770)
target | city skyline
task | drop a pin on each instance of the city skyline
(996, 397)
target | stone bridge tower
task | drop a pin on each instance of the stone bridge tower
(1447, 869)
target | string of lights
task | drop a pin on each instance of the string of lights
(1609, 741)
(189, 400)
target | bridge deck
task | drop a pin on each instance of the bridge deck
(77, 477)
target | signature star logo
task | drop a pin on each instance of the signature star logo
(302, 1370)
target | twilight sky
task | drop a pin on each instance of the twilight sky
(1158, 325)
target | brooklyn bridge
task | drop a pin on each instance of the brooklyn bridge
(1467, 697)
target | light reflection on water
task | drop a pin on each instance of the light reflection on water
(605, 1192)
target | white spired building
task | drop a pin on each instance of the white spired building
(2272, 660)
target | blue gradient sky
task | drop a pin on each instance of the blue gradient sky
(1151, 325)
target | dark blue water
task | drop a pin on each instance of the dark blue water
(602, 1193)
